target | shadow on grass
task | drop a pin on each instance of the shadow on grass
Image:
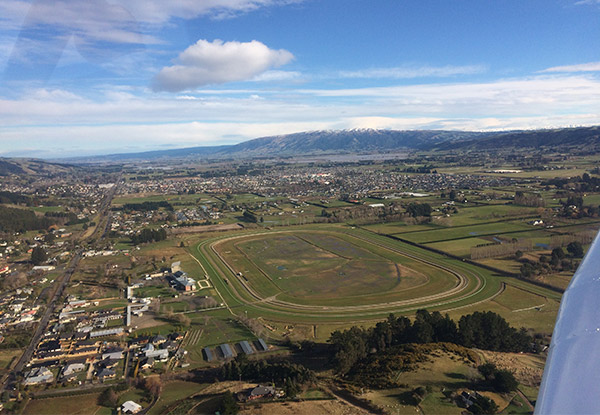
(405, 398)
(453, 375)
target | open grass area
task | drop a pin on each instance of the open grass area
(173, 392)
(73, 405)
(480, 284)
(461, 247)
(516, 299)
(539, 319)
(444, 371)
(134, 394)
(487, 229)
(328, 268)
(467, 216)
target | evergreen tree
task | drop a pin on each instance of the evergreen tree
(38, 255)
(228, 404)
(575, 249)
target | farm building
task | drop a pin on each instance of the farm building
(246, 348)
(130, 407)
(38, 375)
(184, 283)
(261, 345)
(226, 350)
(261, 392)
(208, 354)
(107, 332)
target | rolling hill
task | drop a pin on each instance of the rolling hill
(377, 141)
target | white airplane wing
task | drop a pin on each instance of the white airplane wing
(571, 381)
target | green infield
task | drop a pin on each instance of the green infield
(315, 278)
(327, 269)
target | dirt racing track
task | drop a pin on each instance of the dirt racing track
(335, 274)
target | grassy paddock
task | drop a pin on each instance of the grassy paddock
(73, 405)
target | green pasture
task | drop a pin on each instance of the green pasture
(488, 229)
(174, 392)
(75, 405)
(460, 247)
(400, 227)
(319, 268)
(491, 213)
(515, 298)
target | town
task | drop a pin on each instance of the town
(135, 288)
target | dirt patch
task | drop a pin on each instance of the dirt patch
(334, 407)
(206, 228)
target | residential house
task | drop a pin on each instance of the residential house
(38, 375)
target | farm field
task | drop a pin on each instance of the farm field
(488, 229)
(76, 405)
(172, 393)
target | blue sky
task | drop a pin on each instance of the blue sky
(100, 76)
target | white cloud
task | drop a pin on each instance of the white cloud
(414, 72)
(582, 67)
(95, 20)
(218, 62)
(130, 120)
(119, 21)
(581, 2)
(160, 11)
(271, 76)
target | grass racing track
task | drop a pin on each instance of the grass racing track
(449, 284)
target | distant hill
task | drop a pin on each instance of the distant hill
(584, 138)
(7, 168)
(375, 141)
(349, 141)
(19, 166)
(312, 142)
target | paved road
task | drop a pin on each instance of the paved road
(9, 380)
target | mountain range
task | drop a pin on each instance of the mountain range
(377, 141)
(583, 140)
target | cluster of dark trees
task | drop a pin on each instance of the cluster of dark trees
(365, 214)
(292, 376)
(149, 235)
(421, 169)
(18, 339)
(15, 198)
(228, 405)
(22, 220)
(500, 380)
(67, 218)
(573, 207)
(584, 183)
(528, 199)
(250, 216)
(451, 195)
(38, 255)
(484, 330)
(556, 262)
(483, 405)
(419, 209)
(147, 206)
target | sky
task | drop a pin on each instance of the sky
(91, 77)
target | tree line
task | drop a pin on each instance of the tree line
(15, 198)
(557, 261)
(22, 220)
(292, 376)
(149, 235)
(484, 330)
(147, 206)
